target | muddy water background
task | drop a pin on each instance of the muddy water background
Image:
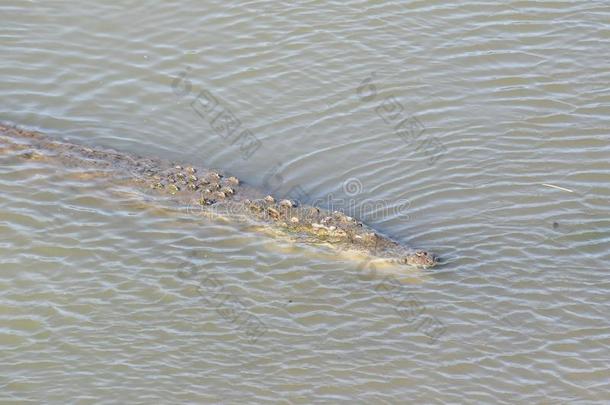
(105, 298)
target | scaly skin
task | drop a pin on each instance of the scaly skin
(211, 190)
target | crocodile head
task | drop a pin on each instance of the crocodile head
(420, 258)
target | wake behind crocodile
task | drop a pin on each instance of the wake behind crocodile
(209, 192)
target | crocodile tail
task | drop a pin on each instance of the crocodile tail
(13, 139)
(11, 131)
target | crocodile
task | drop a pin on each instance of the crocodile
(209, 189)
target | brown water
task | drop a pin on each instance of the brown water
(108, 298)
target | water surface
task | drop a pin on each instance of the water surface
(500, 165)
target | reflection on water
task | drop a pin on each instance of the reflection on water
(476, 131)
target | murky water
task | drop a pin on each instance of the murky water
(478, 131)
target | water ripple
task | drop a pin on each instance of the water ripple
(108, 297)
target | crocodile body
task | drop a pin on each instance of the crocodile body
(210, 190)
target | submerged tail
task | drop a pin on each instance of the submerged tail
(32, 144)
(13, 139)
(12, 132)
